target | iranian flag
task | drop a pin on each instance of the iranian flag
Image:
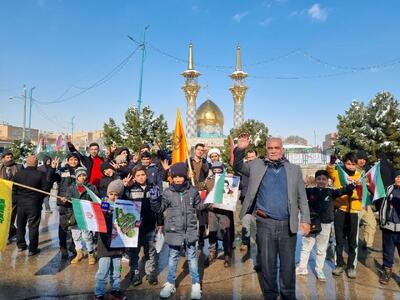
(216, 194)
(88, 215)
(374, 179)
(92, 195)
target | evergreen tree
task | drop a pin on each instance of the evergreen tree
(383, 118)
(352, 129)
(21, 150)
(112, 133)
(258, 133)
(374, 128)
(160, 134)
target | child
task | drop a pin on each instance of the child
(109, 175)
(346, 219)
(139, 190)
(389, 219)
(109, 258)
(219, 222)
(77, 190)
(320, 201)
(181, 201)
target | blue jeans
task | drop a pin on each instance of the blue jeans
(109, 267)
(173, 259)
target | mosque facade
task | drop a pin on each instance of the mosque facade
(205, 124)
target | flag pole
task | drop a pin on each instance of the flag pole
(190, 166)
(34, 189)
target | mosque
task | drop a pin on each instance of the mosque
(205, 124)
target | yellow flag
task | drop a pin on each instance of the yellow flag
(5, 211)
(180, 146)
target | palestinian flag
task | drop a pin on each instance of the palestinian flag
(374, 179)
(216, 194)
(88, 215)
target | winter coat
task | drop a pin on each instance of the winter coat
(104, 240)
(204, 170)
(351, 204)
(65, 177)
(30, 176)
(154, 176)
(148, 218)
(321, 200)
(181, 218)
(104, 182)
(389, 212)
(87, 161)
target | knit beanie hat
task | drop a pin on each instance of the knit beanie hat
(106, 165)
(179, 169)
(79, 171)
(116, 186)
(120, 159)
(396, 173)
(217, 165)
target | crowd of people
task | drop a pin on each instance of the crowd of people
(273, 196)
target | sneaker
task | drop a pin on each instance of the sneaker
(196, 291)
(117, 295)
(385, 277)
(34, 252)
(321, 275)
(136, 279)
(99, 297)
(301, 271)
(337, 271)
(22, 249)
(152, 279)
(168, 290)
(351, 273)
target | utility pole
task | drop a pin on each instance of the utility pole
(30, 113)
(24, 125)
(143, 46)
(72, 129)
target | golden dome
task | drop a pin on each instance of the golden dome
(209, 114)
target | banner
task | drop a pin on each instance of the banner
(126, 222)
(180, 147)
(225, 193)
(5, 211)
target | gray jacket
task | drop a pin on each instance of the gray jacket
(295, 185)
(181, 219)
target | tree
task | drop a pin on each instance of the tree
(352, 128)
(258, 133)
(374, 128)
(296, 140)
(138, 128)
(20, 150)
(112, 133)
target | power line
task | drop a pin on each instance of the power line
(99, 82)
(47, 117)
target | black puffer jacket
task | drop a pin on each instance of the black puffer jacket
(321, 200)
(149, 219)
(181, 219)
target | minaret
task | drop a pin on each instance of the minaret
(191, 89)
(238, 90)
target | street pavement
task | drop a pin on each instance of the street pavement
(47, 276)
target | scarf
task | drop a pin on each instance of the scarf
(181, 187)
(276, 164)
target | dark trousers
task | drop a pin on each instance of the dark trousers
(391, 241)
(219, 222)
(202, 216)
(28, 215)
(346, 228)
(274, 240)
(13, 229)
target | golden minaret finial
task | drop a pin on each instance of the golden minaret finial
(238, 59)
(190, 65)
